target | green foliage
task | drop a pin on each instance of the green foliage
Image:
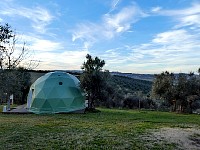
(163, 85)
(93, 79)
(180, 91)
(108, 129)
(13, 78)
(15, 81)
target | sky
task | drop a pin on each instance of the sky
(141, 36)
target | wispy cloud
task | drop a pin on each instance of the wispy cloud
(177, 49)
(38, 16)
(168, 51)
(185, 17)
(114, 5)
(122, 21)
(110, 25)
(172, 50)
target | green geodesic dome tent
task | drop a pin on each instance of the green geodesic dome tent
(55, 92)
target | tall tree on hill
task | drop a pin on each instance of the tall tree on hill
(163, 86)
(11, 57)
(93, 79)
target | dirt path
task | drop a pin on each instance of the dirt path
(184, 138)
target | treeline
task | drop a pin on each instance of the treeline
(177, 92)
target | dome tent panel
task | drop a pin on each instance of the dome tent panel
(60, 104)
(52, 93)
(40, 84)
(46, 106)
(76, 81)
(78, 101)
(55, 92)
(37, 103)
(75, 91)
(40, 94)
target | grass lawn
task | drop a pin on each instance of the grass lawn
(108, 129)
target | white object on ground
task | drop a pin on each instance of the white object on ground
(29, 99)
(86, 103)
(4, 109)
(11, 98)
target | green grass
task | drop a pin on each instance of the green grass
(108, 129)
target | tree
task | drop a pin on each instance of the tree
(163, 86)
(10, 55)
(93, 79)
(179, 91)
(12, 76)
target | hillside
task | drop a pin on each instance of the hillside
(131, 85)
(147, 77)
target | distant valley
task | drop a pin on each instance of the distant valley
(147, 77)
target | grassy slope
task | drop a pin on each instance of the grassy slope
(109, 129)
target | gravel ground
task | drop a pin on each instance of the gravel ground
(184, 138)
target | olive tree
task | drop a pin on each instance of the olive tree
(180, 91)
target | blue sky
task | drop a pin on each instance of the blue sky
(141, 36)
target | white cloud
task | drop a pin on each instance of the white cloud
(38, 43)
(122, 21)
(65, 60)
(46, 45)
(190, 20)
(194, 9)
(185, 17)
(172, 36)
(39, 17)
(156, 9)
(110, 26)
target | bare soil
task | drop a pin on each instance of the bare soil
(183, 138)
